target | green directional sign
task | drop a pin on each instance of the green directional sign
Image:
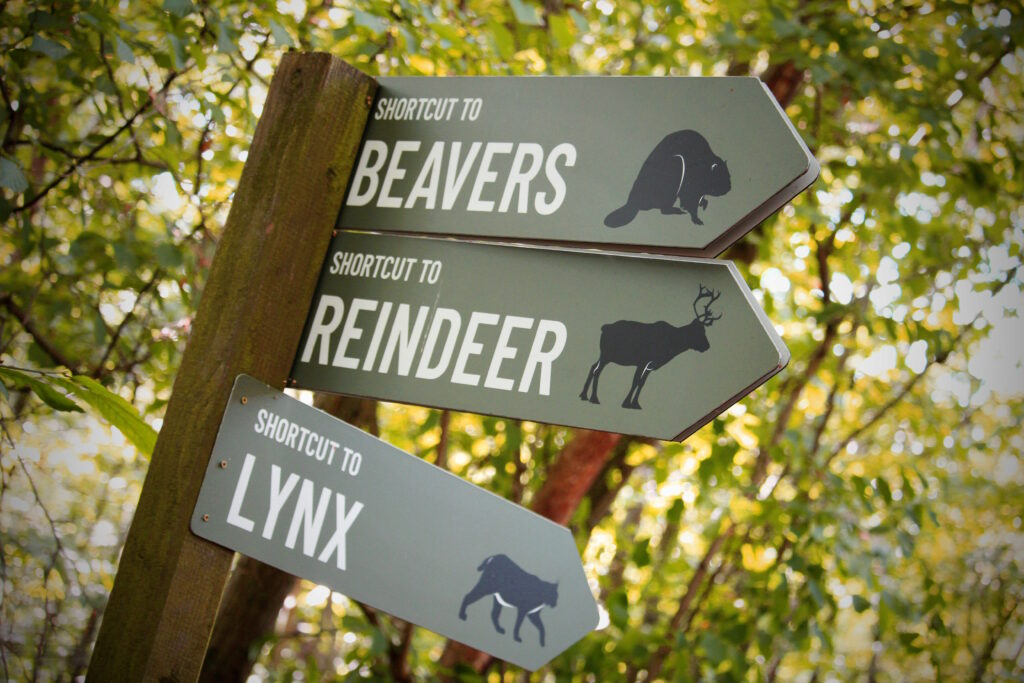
(648, 345)
(684, 165)
(305, 492)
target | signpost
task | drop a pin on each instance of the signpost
(158, 620)
(648, 345)
(680, 165)
(314, 496)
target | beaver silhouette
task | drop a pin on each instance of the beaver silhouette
(681, 167)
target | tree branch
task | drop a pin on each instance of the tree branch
(984, 658)
(91, 154)
(657, 660)
(444, 419)
(38, 337)
(98, 368)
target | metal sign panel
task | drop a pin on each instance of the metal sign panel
(309, 494)
(648, 345)
(681, 165)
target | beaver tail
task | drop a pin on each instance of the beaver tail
(621, 216)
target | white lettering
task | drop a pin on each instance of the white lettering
(404, 340)
(394, 173)
(540, 203)
(453, 320)
(539, 358)
(278, 497)
(369, 171)
(518, 178)
(344, 522)
(351, 333)
(485, 176)
(471, 347)
(235, 517)
(304, 518)
(429, 179)
(456, 176)
(502, 352)
(334, 305)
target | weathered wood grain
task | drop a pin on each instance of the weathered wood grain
(169, 582)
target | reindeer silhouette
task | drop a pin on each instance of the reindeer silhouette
(648, 346)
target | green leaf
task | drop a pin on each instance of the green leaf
(179, 8)
(714, 647)
(816, 593)
(369, 21)
(41, 387)
(502, 39)
(125, 255)
(860, 603)
(582, 25)
(225, 41)
(618, 609)
(114, 409)
(526, 14)
(882, 486)
(11, 176)
(50, 48)
(561, 30)
(172, 134)
(178, 55)
(281, 36)
(642, 553)
(46, 21)
(123, 52)
(676, 511)
(167, 255)
(99, 329)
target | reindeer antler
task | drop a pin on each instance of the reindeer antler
(705, 316)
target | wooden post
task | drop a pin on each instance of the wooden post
(169, 582)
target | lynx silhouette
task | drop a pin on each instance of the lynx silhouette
(648, 346)
(511, 586)
(680, 168)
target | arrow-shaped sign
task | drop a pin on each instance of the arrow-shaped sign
(648, 345)
(681, 165)
(305, 492)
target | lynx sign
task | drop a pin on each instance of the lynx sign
(307, 493)
(655, 346)
(679, 164)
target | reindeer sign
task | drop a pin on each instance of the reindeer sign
(513, 330)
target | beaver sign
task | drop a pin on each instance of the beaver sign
(681, 168)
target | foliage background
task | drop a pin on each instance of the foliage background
(858, 518)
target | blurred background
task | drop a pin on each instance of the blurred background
(858, 518)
